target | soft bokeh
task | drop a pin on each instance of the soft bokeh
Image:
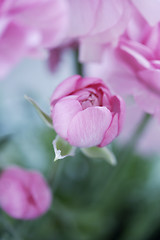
(27, 27)
(96, 24)
(92, 200)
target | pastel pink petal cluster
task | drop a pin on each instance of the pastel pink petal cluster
(134, 66)
(142, 56)
(85, 113)
(97, 23)
(24, 194)
(28, 26)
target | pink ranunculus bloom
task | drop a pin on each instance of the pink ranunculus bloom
(134, 66)
(85, 113)
(97, 23)
(27, 26)
(24, 194)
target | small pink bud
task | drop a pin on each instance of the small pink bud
(24, 194)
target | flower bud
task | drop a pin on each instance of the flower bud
(85, 113)
(24, 194)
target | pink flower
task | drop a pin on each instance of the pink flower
(28, 26)
(148, 142)
(97, 23)
(24, 194)
(85, 113)
(134, 66)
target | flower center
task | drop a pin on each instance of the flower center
(90, 101)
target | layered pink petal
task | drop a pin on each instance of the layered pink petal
(63, 113)
(87, 128)
(111, 132)
(72, 84)
(118, 107)
(116, 72)
(136, 56)
(118, 111)
(65, 88)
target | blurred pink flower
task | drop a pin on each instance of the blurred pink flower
(24, 194)
(85, 113)
(148, 142)
(134, 66)
(95, 23)
(28, 26)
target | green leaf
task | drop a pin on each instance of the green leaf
(103, 153)
(45, 117)
(62, 148)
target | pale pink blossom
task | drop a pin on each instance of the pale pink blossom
(95, 23)
(133, 67)
(26, 27)
(148, 142)
(24, 194)
(85, 113)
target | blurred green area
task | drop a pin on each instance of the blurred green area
(91, 199)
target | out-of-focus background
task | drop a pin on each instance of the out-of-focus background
(91, 200)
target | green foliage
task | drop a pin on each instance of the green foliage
(102, 153)
(62, 148)
(47, 120)
(91, 199)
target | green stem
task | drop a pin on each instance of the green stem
(55, 174)
(78, 65)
